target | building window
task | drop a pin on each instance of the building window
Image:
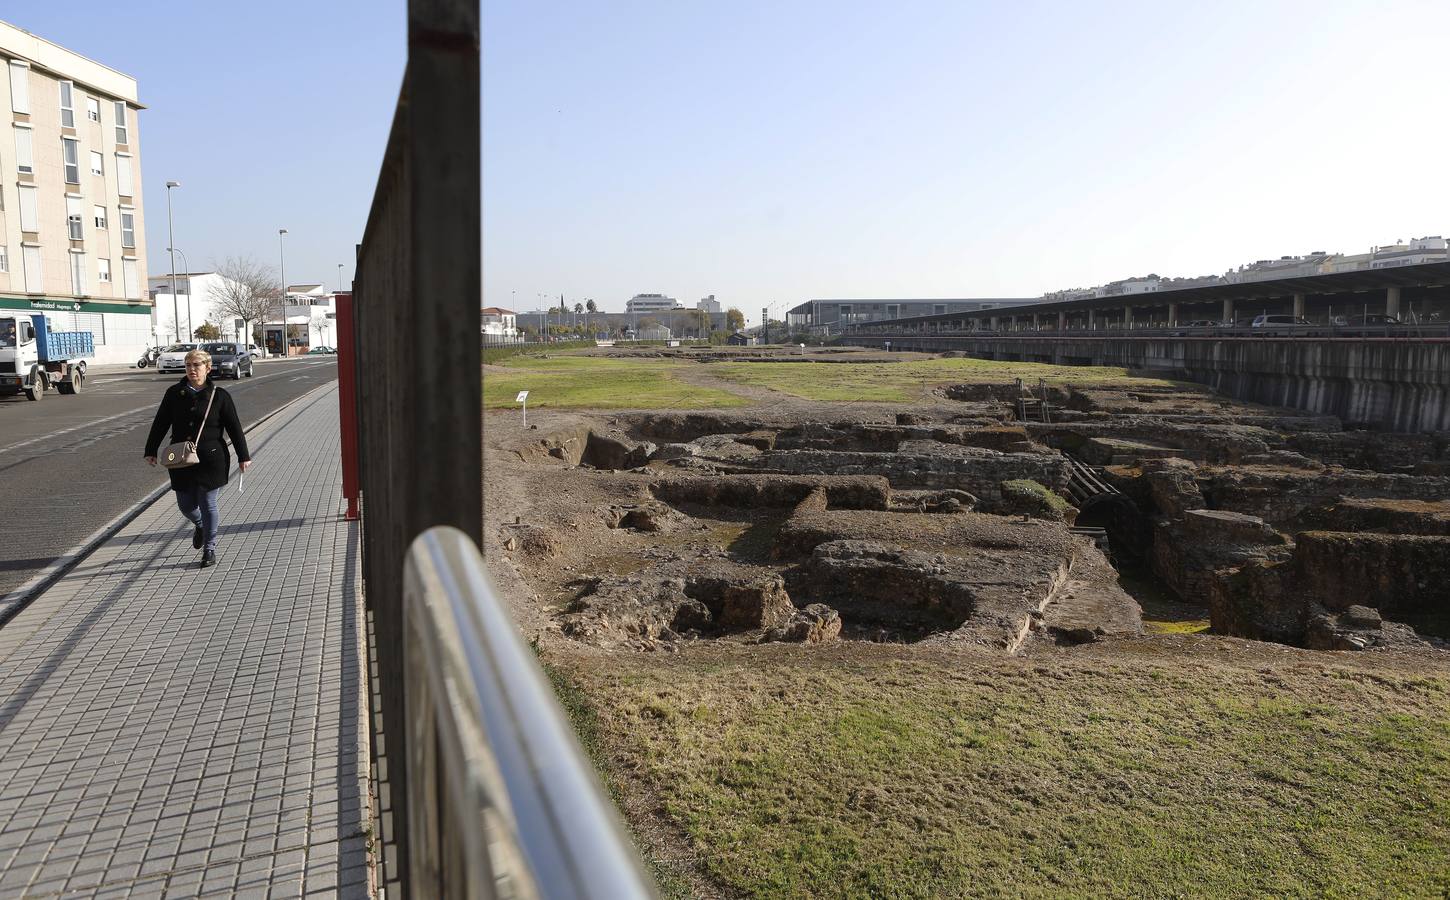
(24, 152)
(77, 273)
(123, 176)
(19, 87)
(98, 163)
(100, 217)
(121, 133)
(103, 270)
(130, 278)
(71, 153)
(30, 259)
(4, 259)
(67, 105)
(73, 219)
(128, 230)
(93, 109)
(29, 211)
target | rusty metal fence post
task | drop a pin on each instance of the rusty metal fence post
(416, 299)
(347, 400)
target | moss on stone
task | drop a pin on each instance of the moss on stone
(1033, 498)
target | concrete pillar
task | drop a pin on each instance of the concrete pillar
(1392, 301)
(1036, 325)
(1172, 314)
(1092, 320)
(994, 323)
(1012, 323)
(1298, 306)
(1062, 321)
(1228, 311)
(1127, 316)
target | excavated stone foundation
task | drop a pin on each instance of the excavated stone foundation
(994, 519)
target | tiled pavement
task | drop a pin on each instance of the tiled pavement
(170, 730)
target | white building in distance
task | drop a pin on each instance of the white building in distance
(648, 303)
(308, 320)
(496, 321)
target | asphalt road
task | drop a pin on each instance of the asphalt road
(68, 465)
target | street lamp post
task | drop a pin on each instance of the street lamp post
(282, 259)
(171, 239)
(339, 278)
(185, 264)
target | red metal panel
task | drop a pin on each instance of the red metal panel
(347, 400)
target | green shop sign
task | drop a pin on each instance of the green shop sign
(72, 306)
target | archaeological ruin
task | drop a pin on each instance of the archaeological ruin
(1011, 517)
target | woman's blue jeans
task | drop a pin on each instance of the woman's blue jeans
(199, 506)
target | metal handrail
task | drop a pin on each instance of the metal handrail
(501, 800)
(1434, 330)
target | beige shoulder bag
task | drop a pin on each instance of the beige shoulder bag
(183, 453)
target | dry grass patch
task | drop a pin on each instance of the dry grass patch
(911, 380)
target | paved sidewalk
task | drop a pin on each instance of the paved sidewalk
(170, 730)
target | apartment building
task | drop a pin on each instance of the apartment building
(72, 236)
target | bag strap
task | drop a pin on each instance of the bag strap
(209, 399)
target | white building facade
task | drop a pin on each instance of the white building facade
(307, 320)
(648, 303)
(497, 322)
(72, 235)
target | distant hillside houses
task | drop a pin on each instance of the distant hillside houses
(1428, 249)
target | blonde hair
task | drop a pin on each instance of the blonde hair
(199, 355)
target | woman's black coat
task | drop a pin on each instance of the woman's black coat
(180, 411)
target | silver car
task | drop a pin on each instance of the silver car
(173, 358)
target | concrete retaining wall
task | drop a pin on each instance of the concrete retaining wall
(1392, 385)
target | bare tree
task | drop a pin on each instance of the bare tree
(318, 322)
(246, 290)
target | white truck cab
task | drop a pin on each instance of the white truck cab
(34, 358)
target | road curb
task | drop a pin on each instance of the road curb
(12, 603)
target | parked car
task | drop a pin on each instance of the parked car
(173, 358)
(1201, 323)
(229, 360)
(255, 351)
(319, 350)
(1373, 319)
(1268, 323)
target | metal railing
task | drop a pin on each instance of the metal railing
(1146, 330)
(502, 802)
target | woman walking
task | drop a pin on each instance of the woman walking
(195, 409)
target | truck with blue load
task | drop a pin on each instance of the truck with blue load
(35, 358)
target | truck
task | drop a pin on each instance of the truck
(35, 358)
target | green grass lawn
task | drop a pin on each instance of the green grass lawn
(599, 383)
(650, 383)
(801, 774)
(904, 382)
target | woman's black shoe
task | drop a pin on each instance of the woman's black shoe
(208, 559)
(197, 538)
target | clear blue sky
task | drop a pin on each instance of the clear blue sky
(774, 152)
